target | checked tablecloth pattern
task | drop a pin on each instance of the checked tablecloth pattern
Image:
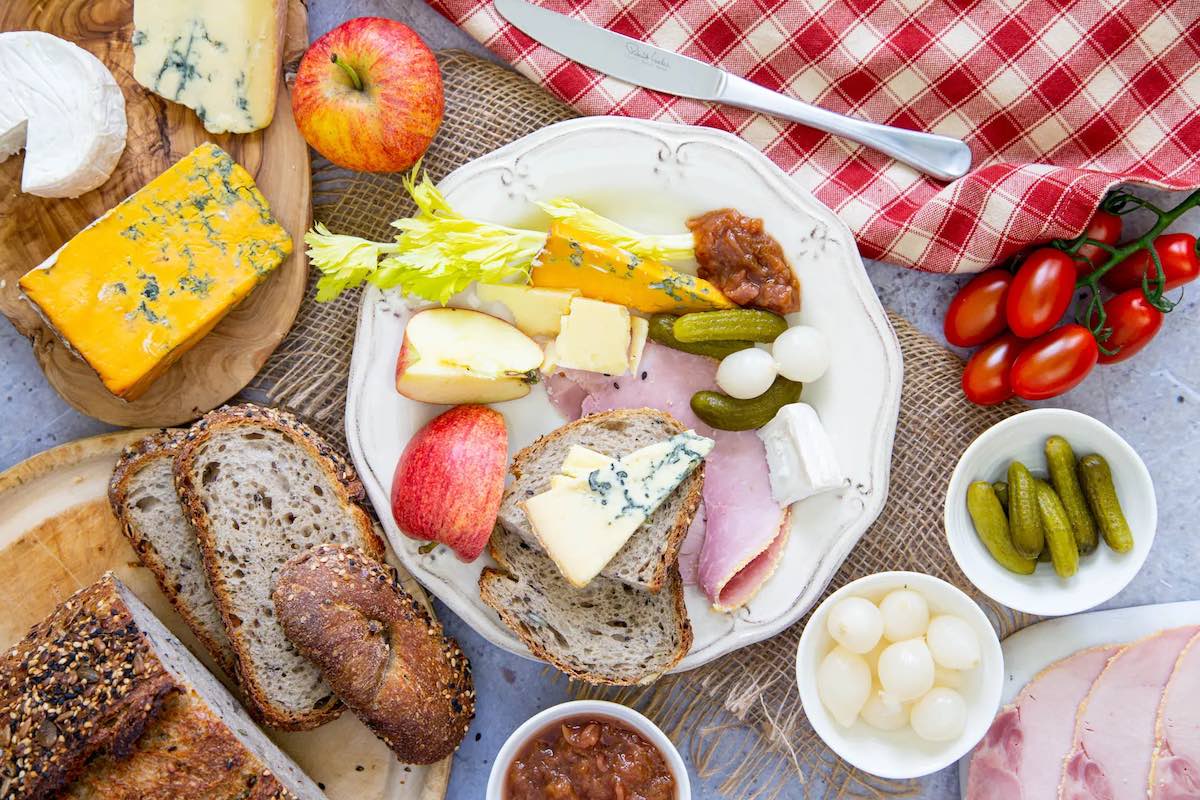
(1058, 99)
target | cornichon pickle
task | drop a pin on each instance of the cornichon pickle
(730, 414)
(1024, 520)
(1060, 539)
(1060, 458)
(736, 324)
(992, 527)
(1001, 490)
(662, 330)
(1101, 495)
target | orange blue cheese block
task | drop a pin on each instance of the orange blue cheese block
(135, 290)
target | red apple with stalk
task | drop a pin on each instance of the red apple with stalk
(368, 95)
(450, 478)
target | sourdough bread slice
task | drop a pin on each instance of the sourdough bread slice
(645, 560)
(607, 632)
(259, 488)
(143, 499)
(100, 700)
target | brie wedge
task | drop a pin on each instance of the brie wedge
(61, 105)
(592, 509)
(801, 460)
(220, 58)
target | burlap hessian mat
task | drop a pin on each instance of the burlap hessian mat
(708, 710)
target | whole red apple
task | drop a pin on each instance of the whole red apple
(450, 479)
(368, 95)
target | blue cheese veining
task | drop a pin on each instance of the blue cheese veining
(597, 503)
(220, 58)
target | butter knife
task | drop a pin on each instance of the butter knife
(652, 67)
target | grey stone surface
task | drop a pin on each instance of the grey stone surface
(1152, 401)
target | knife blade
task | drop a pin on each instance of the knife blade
(652, 67)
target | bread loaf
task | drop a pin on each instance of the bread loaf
(378, 649)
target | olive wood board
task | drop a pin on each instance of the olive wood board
(1030, 650)
(57, 535)
(160, 133)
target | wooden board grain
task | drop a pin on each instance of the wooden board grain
(58, 535)
(160, 133)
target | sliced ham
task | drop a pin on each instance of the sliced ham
(1114, 728)
(1021, 756)
(1175, 771)
(745, 529)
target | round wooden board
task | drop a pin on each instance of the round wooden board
(160, 133)
(58, 535)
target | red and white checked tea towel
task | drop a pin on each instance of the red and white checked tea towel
(1058, 99)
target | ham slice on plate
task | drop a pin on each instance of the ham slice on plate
(745, 529)
(1114, 728)
(1021, 756)
(1175, 771)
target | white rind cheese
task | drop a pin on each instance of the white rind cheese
(220, 58)
(61, 105)
(592, 509)
(800, 456)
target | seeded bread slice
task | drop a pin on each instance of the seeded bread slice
(645, 560)
(607, 632)
(142, 496)
(259, 487)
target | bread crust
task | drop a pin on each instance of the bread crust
(379, 650)
(692, 486)
(163, 444)
(83, 682)
(674, 584)
(350, 495)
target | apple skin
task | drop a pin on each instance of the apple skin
(388, 124)
(449, 480)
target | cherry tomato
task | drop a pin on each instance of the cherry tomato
(1133, 321)
(1176, 251)
(976, 313)
(1040, 292)
(985, 379)
(1104, 227)
(1054, 363)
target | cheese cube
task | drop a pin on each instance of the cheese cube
(220, 58)
(639, 330)
(536, 312)
(801, 460)
(135, 290)
(594, 336)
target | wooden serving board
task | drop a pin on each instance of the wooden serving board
(58, 535)
(160, 133)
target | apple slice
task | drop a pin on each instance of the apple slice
(450, 478)
(455, 355)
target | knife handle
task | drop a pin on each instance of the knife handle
(941, 157)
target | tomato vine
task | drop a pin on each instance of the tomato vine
(1092, 314)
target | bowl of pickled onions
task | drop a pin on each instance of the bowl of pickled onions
(900, 673)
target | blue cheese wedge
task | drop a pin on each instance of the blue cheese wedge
(800, 456)
(592, 509)
(220, 58)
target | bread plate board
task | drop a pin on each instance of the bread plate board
(652, 177)
(57, 535)
(1030, 650)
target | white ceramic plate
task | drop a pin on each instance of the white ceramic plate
(902, 754)
(1101, 573)
(1029, 651)
(653, 177)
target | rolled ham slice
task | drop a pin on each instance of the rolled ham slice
(1021, 757)
(745, 529)
(1175, 770)
(1114, 729)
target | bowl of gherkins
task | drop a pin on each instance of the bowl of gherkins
(1050, 512)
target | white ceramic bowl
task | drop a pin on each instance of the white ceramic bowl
(588, 708)
(902, 754)
(1022, 438)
